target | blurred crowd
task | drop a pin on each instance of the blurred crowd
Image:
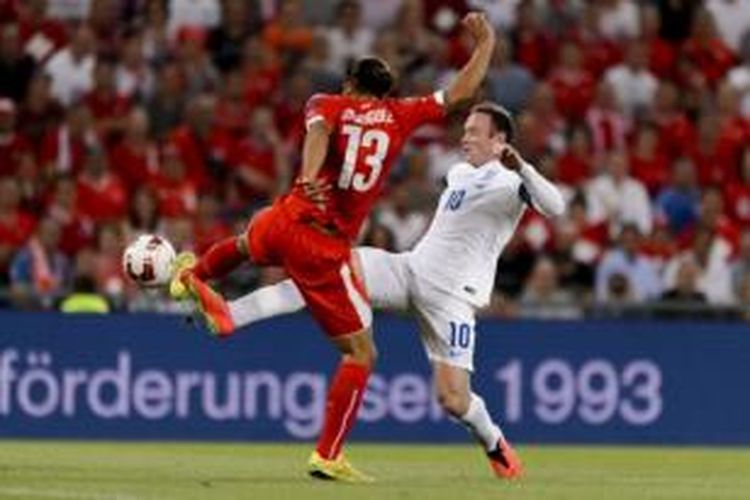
(183, 117)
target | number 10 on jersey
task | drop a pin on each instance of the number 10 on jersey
(356, 139)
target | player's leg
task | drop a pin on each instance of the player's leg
(383, 273)
(321, 267)
(453, 388)
(447, 329)
(219, 260)
(189, 278)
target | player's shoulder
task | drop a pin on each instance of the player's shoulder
(459, 170)
(321, 98)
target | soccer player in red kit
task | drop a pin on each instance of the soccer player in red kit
(352, 141)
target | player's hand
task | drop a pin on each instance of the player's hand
(508, 156)
(315, 190)
(477, 24)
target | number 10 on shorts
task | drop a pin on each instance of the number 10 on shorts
(460, 335)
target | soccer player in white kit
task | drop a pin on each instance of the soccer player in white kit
(450, 273)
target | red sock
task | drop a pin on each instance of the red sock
(344, 398)
(219, 260)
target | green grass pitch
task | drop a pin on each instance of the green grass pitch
(119, 471)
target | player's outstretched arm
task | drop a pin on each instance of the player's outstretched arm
(542, 194)
(471, 76)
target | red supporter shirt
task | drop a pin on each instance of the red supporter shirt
(64, 159)
(572, 169)
(12, 151)
(712, 59)
(737, 199)
(103, 199)
(133, 165)
(573, 91)
(195, 152)
(258, 158)
(16, 229)
(367, 138)
(176, 198)
(653, 172)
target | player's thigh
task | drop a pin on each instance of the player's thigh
(385, 277)
(447, 327)
(320, 267)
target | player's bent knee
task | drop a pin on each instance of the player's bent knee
(359, 348)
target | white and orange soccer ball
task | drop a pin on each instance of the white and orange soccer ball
(148, 260)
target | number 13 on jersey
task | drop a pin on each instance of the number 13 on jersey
(376, 139)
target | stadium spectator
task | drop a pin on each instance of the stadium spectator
(405, 223)
(632, 81)
(41, 33)
(619, 19)
(259, 162)
(72, 68)
(134, 77)
(156, 39)
(16, 67)
(643, 283)
(177, 196)
(64, 148)
(648, 163)
(618, 198)
(226, 40)
(508, 84)
(136, 157)
(574, 167)
(166, 106)
(737, 194)
(197, 69)
(678, 202)
(705, 55)
(683, 300)
(16, 156)
(348, 39)
(204, 14)
(39, 272)
(39, 112)
(741, 265)
(572, 84)
(662, 55)
(732, 20)
(739, 76)
(607, 124)
(543, 298)
(288, 33)
(101, 194)
(107, 106)
(714, 279)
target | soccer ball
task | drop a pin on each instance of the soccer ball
(148, 260)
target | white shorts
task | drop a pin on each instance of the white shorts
(446, 323)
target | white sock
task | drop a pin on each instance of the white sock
(274, 300)
(480, 424)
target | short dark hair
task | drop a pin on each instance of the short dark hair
(370, 75)
(502, 121)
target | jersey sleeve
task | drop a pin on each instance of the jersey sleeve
(415, 111)
(321, 107)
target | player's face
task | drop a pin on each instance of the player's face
(478, 139)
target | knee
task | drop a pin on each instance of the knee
(454, 402)
(364, 353)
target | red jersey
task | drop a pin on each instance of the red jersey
(367, 138)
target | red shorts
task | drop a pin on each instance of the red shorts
(318, 263)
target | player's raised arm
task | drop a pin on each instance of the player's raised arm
(470, 77)
(536, 189)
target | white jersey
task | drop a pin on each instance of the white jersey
(475, 218)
